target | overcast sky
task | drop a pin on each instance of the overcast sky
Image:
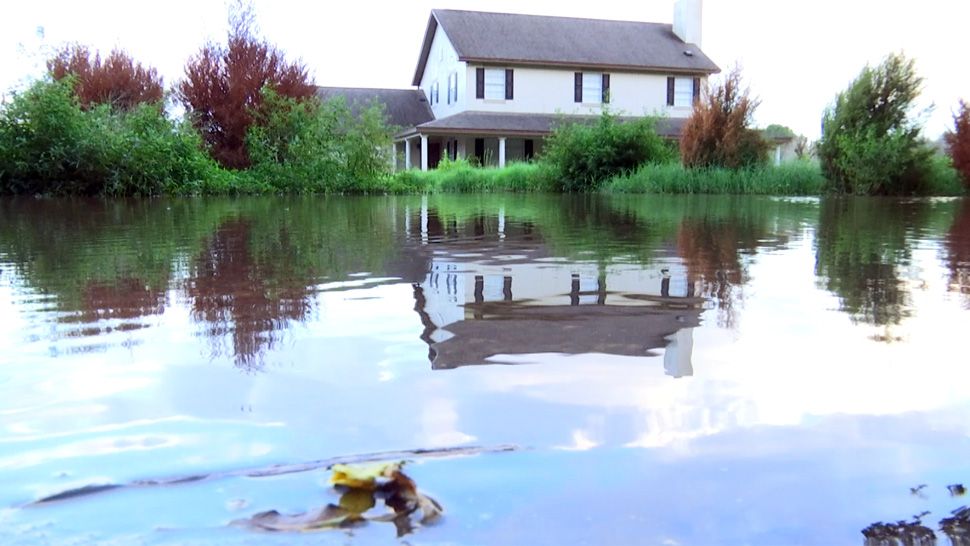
(794, 55)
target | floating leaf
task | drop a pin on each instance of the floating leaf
(357, 501)
(328, 517)
(363, 476)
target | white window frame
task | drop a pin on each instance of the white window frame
(494, 83)
(592, 88)
(683, 92)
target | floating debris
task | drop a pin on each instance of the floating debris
(957, 490)
(957, 528)
(900, 533)
(361, 487)
(918, 490)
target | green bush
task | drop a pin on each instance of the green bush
(584, 155)
(869, 144)
(460, 176)
(313, 146)
(797, 178)
(50, 146)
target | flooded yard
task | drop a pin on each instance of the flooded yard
(556, 369)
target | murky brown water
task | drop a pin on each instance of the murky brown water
(640, 370)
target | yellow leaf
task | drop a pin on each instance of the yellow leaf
(363, 476)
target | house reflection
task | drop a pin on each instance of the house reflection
(958, 251)
(494, 293)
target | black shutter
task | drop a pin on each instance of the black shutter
(479, 83)
(697, 90)
(670, 91)
(606, 88)
(508, 84)
(530, 150)
(578, 87)
(480, 150)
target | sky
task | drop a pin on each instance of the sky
(794, 55)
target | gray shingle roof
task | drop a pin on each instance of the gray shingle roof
(564, 41)
(403, 107)
(493, 123)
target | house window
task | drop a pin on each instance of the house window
(592, 87)
(448, 91)
(454, 87)
(494, 83)
(683, 92)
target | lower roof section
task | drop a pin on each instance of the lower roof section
(516, 124)
(403, 108)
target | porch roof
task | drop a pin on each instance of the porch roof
(514, 124)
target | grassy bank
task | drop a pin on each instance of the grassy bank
(461, 177)
(799, 178)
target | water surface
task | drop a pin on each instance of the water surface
(670, 370)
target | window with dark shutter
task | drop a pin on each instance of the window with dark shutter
(508, 84)
(606, 88)
(578, 87)
(697, 90)
(479, 83)
(670, 91)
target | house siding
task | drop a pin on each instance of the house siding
(551, 91)
(442, 61)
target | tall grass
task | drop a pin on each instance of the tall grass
(798, 178)
(462, 177)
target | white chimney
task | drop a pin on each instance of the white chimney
(687, 20)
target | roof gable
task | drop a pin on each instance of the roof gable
(563, 41)
(402, 107)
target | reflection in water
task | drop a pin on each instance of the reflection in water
(247, 300)
(958, 251)
(860, 246)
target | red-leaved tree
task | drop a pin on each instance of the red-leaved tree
(116, 80)
(958, 142)
(222, 88)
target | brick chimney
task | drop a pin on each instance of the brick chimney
(687, 20)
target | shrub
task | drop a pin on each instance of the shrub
(958, 142)
(584, 155)
(222, 89)
(794, 178)
(869, 144)
(307, 146)
(50, 145)
(718, 133)
(117, 81)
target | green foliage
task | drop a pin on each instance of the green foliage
(870, 145)
(462, 176)
(309, 146)
(797, 178)
(50, 145)
(584, 155)
(777, 131)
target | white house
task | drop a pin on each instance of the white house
(493, 85)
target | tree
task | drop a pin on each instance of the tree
(718, 133)
(870, 145)
(223, 87)
(117, 80)
(958, 142)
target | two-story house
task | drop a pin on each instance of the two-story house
(492, 86)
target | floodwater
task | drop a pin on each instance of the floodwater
(621, 370)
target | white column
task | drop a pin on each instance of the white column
(424, 219)
(501, 151)
(777, 155)
(462, 153)
(393, 156)
(407, 154)
(424, 152)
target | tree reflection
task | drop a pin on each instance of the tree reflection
(860, 245)
(958, 251)
(246, 299)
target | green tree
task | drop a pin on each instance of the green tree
(870, 142)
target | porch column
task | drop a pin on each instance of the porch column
(394, 157)
(501, 151)
(777, 155)
(424, 152)
(407, 154)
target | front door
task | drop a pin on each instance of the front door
(434, 154)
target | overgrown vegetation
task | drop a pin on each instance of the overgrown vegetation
(958, 142)
(462, 176)
(797, 178)
(50, 145)
(871, 144)
(117, 81)
(223, 87)
(718, 132)
(584, 155)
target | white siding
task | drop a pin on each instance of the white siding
(550, 91)
(442, 62)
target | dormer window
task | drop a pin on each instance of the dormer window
(493, 83)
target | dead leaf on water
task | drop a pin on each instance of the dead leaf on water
(361, 487)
